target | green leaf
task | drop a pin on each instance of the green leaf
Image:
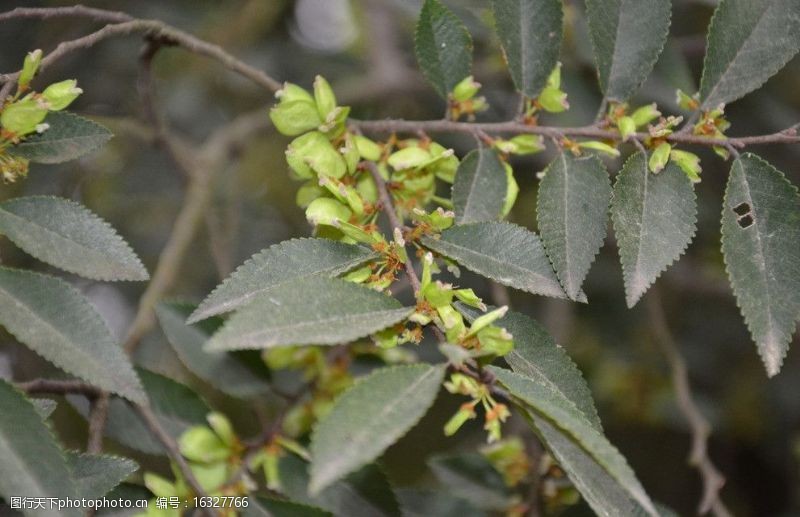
(368, 418)
(530, 32)
(425, 503)
(761, 246)
(443, 47)
(69, 137)
(33, 464)
(54, 320)
(504, 252)
(554, 408)
(748, 42)
(537, 356)
(44, 407)
(220, 369)
(315, 310)
(365, 493)
(572, 211)
(472, 477)
(480, 187)
(95, 475)
(66, 235)
(262, 506)
(278, 265)
(132, 495)
(654, 221)
(627, 36)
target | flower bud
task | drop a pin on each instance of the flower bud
(553, 100)
(494, 418)
(599, 146)
(409, 158)
(466, 412)
(292, 118)
(29, 68)
(644, 115)
(60, 95)
(199, 443)
(12, 167)
(659, 157)
(291, 92)
(21, 118)
(324, 97)
(627, 127)
(685, 101)
(512, 189)
(328, 211)
(689, 164)
(528, 144)
(222, 426)
(466, 89)
(368, 149)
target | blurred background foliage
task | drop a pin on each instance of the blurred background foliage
(365, 48)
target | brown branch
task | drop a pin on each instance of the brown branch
(713, 480)
(98, 414)
(57, 387)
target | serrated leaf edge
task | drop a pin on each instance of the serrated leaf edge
(123, 459)
(105, 134)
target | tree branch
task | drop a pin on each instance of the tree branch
(713, 480)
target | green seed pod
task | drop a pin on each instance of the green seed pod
(386, 338)
(554, 80)
(528, 144)
(599, 146)
(324, 97)
(22, 117)
(308, 192)
(685, 101)
(367, 189)
(211, 477)
(368, 149)
(659, 157)
(292, 118)
(358, 276)
(301, 148)
(409, 158)
(438, 294)
(512, 189)
(350, 153)
(469, 297)
(467, 412)
(292, 92)
(60, 95)
(496, 341)
(199, 443)
(688, 162)
(466, 89)
(356, 233)
(159, 486)
(29, 68)
(487, 319)
(327, 211)
(222, 426)
(627, 127)
(644, 115)
(553, 100)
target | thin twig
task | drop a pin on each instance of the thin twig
(98, 415)
(57, 387)
(713, 480)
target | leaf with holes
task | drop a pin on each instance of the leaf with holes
(69, 137)
(748, 42)
(530, 32)
(504, 252)
(95, 475)
(480, 187)
(551, 405)
(572, 211)
(627, 36)
(68, 236)
(316, 310)
(760, 236)
(278, 265)
(443, 47)
(33, 464)
(54, 320)
(654, 220)
(368, 418)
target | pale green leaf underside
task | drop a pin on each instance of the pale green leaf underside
(530, 32)
(551, 405)
(368, 418)
(761, 246)
(748, 42)
(627, 36)
(316, 310)
(654, 219)
(504, 252)
(33, 465)
(66, 235)
(69, 137)
(572, 212)
(54, 320)
(480, 187)
(95, 475)
(44, 407)
(443, 47)
(220, 369)
(281, 264)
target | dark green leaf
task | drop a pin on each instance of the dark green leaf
(426, 503)
(479, 191)
(67, 235)
(627, 36)
(530, 32)
(54, 320)
(572, 212)
(96, 475)
(263, 507)
(278, 265)
(365, 493)
(761, 245)
(128, 492)
(315, 310)
(654, 221)
(543, 401)
(473, 478)
(33, 465)
(69, 137)
(220, 369)
(504, 252)
(443, 47)
(368, 418)
(748, 42)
